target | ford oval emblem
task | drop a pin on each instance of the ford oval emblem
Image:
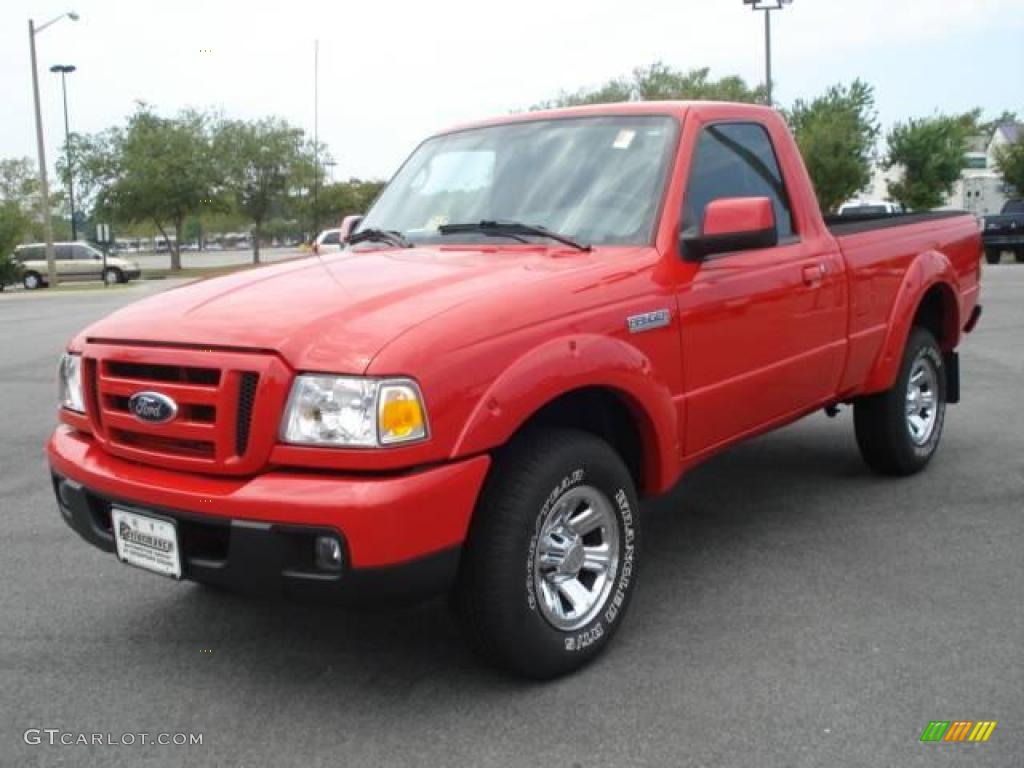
(152, 407)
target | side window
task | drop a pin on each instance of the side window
(332, 238)
(84, 253)
(735, 160)
(63, 252)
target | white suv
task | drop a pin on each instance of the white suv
(75, 261)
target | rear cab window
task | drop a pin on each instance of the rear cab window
(736, 160)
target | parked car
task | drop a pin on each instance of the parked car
(1005, 232)
(865, 209)
(542, 320)
(327, 241)
(75, 261)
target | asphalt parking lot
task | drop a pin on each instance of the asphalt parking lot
(793, 610)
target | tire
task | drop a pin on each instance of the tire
(113, 276)
(893, 441)
(32, 281)
(993, 255)
(1018, 255)
(523, 558)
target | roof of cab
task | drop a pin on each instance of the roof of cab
(677, 109)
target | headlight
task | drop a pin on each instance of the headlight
(346, 411)
(69, 383)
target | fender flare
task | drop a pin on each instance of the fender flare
(574, 362)
(928, 269)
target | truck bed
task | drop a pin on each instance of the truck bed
(852, 225)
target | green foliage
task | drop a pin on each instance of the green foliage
(10, 270)
(19, 200)
(13, 224)
(930, 151)
(836, 134)
(154, 169)
(261, 161)
(660, 82)
(1010, 162)
(345, 198)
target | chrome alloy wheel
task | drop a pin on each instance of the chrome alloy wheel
(576, 558)
(922, 399)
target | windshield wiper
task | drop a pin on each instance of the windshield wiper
(510, 229)
(372, 235)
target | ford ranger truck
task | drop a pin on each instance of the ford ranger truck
(543, 319)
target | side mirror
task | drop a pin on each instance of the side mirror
(732, 224)
(349, 225)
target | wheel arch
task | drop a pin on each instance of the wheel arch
(594, 383)
(929, 297)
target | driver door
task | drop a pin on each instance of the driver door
(759, 327)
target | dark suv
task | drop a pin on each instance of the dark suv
(1005, 232)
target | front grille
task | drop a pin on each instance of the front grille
(214, 427)
(209, 377)
(246, 400)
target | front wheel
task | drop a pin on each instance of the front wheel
(112, 276)
(993, 255)
(550, 563)
(1018, 255)
(898, 431)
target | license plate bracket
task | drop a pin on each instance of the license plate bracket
(147, 541)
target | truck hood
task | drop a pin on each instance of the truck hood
(331, 314)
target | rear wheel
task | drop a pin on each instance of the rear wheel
(898, 431)
(1018, 255)
(32, 281)
(550, 562)
(993, 255)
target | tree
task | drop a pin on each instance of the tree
(261, 161)
(836, 134)
(660, 82)
(154, 169)
(346, 198)
(930, 152)
(19, 206)
(13, 225)
(1010, 162)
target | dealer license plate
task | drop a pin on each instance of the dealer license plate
(147, 542)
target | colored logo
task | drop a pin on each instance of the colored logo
(958, 730)
(153, 407)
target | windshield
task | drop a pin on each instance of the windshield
(595, 179)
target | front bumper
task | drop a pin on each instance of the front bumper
(132, 274)
(402, 533)
(1006, 240)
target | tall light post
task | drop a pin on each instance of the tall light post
(44, 191)
(316, 139)
(65, 70)
(767, 6)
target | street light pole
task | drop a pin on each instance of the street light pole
(44, 190)
(316, 139)
(65, 70)
(767, 6)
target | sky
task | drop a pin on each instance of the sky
(392, 73)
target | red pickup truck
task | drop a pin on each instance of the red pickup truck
(543, 319)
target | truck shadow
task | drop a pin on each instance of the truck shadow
(791, 480)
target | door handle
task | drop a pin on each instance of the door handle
(813, 274)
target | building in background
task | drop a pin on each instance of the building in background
(980, 189)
